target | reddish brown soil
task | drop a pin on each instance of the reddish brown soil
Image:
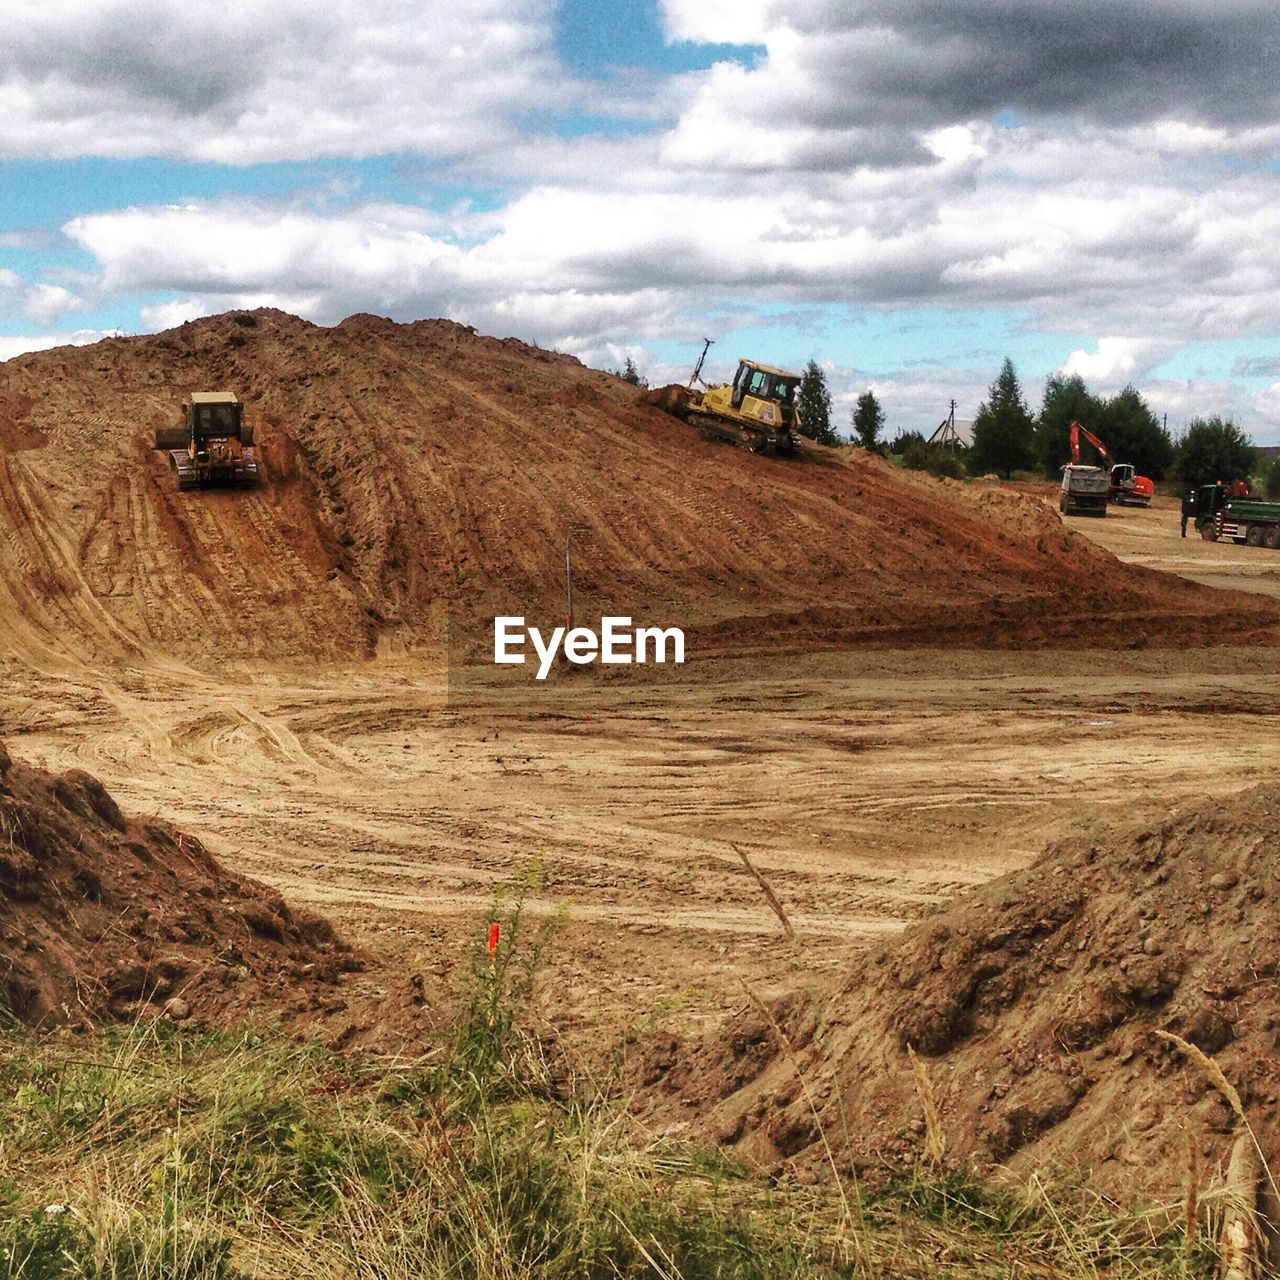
(1034, 1003)
(105, 916)
(421, 478)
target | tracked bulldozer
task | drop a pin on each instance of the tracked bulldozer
(757, 410)
(213, 444)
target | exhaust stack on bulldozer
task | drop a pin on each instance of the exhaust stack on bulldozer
(213, 445)
(757, 410)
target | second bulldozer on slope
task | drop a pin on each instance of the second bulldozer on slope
(757, 410)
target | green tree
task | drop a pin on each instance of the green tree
(1213, 450)
(629, 373)
(1271, 479)
(814, 405)
(867, 421)
(1003, 431)
(1133, 434)
(1066, 400)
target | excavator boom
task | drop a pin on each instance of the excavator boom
(1076, 432)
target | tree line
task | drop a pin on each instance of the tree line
(1008, 438)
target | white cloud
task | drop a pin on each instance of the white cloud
(16, 346)
(716, 21)
(168, 315)
(46, 302)
(242, 82)
(1117, 361)
(37, 302)
(1266, 403)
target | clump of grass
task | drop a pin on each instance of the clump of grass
(182, 1155)
(934, 1139)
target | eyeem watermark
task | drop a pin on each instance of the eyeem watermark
(616, 643)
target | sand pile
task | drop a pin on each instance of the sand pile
(420, 478)
(1034, 1003)
(104, 916)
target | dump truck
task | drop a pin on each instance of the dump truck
(1224, 516)
(213, 444)
(757, 410)
(1085, 490)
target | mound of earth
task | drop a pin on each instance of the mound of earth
(104, 916)
(419, 479)
(1034, 1005)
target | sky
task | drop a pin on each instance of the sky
(906, 191)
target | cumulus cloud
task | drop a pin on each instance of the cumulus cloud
(37, 302)
(1267, 405)
(16, 346)
(242, 82)
(716, 21)
(1117, 361)
(573, 262)
(168, 315)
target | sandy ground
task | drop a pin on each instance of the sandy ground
(867, 786)
(1151, 537)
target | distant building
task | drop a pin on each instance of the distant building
(953, 430)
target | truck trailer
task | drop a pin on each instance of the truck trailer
(1219, 517)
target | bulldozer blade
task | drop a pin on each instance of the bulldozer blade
(674, 399)
(170, 437)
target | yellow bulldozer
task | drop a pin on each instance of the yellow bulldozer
(213, 444)
(757, 410)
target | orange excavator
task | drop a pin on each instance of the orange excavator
(1125, 486)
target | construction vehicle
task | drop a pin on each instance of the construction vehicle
(1085, 490)
(1226, 513)
(757, 410)
(213, 444)
(1124, 486)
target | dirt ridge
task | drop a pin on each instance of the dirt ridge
(420, 478)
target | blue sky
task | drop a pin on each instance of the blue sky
(905, 192)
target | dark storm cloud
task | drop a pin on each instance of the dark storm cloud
(920, 63)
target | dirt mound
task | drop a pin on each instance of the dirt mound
(107, 916)
(1034, 1003)
(420, 478)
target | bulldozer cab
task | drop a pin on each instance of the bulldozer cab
(763, 383)
(213, 415)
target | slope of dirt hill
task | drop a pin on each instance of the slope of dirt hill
(420, 478)
(1034, 1004)
(105, 916)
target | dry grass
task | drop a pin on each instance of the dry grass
(934, 1139)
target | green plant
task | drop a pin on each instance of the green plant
(489, 1053)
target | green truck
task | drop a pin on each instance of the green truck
(1219, 517)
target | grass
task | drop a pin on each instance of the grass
(155, 1152)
